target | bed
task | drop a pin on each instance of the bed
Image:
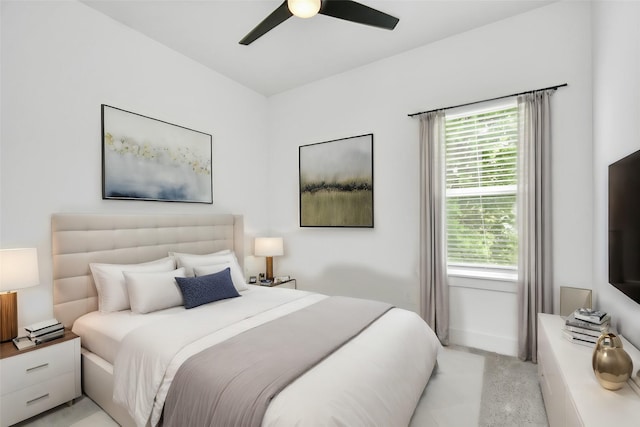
(133, 360)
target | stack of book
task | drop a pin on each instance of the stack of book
(39, 333)
(45, 331)
(584, 326)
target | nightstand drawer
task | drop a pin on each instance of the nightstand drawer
(30, 368)
(37, 398)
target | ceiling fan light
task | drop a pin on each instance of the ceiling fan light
(304, 8)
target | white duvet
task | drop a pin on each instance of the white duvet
(375, 379)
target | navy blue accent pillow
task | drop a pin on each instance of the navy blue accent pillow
(205, 289)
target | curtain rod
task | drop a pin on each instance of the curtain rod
(492, 99)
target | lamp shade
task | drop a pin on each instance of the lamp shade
(268, 246)
(18, 268)
(304, 8)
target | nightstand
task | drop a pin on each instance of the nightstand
(288, 284)
(38, 378)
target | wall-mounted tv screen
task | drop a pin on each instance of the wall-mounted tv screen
(624, 225)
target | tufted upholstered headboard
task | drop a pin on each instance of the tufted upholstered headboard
(80, 239)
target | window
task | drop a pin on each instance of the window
(481, 182)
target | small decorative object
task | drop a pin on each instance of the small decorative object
(148, 159)
(593, 316)
(336, 183)
(23, 342)
(611, 363)
(572, 298)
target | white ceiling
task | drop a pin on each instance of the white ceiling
(298, 51)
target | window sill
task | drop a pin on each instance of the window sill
(507, 276)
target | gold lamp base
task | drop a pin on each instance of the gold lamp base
(8, 316)
(269, 268)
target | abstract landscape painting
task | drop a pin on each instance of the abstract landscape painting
(148, 159)
(336, 183)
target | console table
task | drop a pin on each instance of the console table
(572, 395)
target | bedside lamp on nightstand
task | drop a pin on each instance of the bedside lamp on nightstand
(269, 247)
(18, 269)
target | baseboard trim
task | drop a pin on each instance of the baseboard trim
(497, 344)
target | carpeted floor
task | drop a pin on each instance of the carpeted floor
(477, 388)
(469, 387)
(511, 393)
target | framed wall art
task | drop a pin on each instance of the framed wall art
(149, 159)
(336, 183)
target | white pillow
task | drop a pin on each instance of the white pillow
(111, 286)
(189, 261)
(238, 281)
(210, 269)
(179, 257)
(153, 291)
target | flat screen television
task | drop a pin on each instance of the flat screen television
(624, 225)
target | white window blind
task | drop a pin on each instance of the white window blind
(481, 182)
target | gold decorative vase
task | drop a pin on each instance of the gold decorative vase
(611, 363)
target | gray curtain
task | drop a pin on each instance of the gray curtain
(535, 281)
(434, 288)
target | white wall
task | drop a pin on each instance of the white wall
(60, 61)
(616, 114)
(547, 46)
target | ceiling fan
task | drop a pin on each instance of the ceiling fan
(342, 9)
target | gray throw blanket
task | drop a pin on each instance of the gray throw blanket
(232, 383)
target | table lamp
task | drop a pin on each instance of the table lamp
(269, 247)
(18, 269)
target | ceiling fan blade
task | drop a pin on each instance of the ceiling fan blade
(356, 12)
(277, 17)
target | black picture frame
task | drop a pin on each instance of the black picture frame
(336, 183)
(149, 159)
